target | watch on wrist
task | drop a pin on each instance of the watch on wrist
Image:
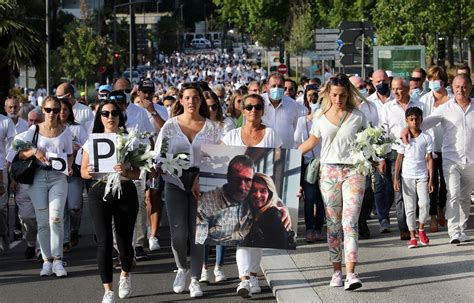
(154, 113)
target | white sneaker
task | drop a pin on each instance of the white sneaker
(125, 287)
(58, 268)
(464, 238)
(180, 281)
(336, 280)
(108, 297)
(244, 289)
(455, 239)
(195, 289)
(47, 269)
(204, 276)
(254, 285)
(352, 282)
(219, 274)
(154, 244)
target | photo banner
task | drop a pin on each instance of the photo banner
(249, 196)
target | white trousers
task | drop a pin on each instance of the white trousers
(459, 183)
(248, 260)
(413, 188)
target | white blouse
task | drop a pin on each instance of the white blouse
(270, 139)
(179, 143)
(338, 151)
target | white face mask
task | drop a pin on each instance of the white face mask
(168, 109)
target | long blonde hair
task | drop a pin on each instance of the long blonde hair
(339, 79)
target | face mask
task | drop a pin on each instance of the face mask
(314, 107)
(168, 109)
(382, 88)
(363, 92)
(415, 93)
(276, 93)
(435, 85)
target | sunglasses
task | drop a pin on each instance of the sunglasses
(106, 113)
(117, 98)
(250, 107)
(55, 110)
(340, 79)
(416, 79)
(62, 96)
(213, 106)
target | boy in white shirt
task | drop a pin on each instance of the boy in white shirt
(416, 164)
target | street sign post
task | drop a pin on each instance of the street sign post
(326, 43)
(401, 60)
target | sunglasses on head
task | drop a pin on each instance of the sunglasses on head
(417, 79)
(117, 98)
(55, 110)
(339, 80)
(106, 113)
(62, 96)
(213, 106)
(250, 107)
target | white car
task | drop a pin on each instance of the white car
(201, 43)
(217, 43)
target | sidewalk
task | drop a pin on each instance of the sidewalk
(390, 272)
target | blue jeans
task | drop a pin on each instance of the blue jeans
(48, 194)
(73, 209)
(384, 191)
(220, 254)
(312, 198)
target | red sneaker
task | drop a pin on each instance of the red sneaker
(413, 243)
(424, 240)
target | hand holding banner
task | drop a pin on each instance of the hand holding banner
(58, 162)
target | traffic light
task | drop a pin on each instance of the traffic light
(441, 45)
(116, 64)
(116, 56)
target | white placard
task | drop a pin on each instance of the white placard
(58, 162)
(102, 152)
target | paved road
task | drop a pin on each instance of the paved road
(151, 280)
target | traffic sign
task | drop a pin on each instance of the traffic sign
(282, 69)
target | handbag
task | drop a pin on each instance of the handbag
(23, 171)
(312, 171)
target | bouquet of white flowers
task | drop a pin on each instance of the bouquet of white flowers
(370, 146)
(133, 150)
(173, 164)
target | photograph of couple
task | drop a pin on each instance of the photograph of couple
(249, 197)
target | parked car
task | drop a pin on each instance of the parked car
(201, 43)
(217, 43)
(135, 79)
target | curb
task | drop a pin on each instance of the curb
(285, 279)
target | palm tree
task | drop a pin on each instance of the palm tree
(20, 43)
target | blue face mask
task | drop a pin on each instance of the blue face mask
(314, 107)
(363, 92)
(415, 93)
(435, 85)
(276, 93)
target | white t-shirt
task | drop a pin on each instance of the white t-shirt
(303, 128)
(414, 156)
(21, 126)
(338, 151)
(234, 137)
(137, 118)
(82, 113)
(179, 143)
(162, 112)
(58, 145)
(7, 132)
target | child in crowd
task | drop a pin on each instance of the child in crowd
(416, 165)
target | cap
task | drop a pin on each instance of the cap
(117, 96)
(389, 73)
(105, 87)
(146, 84)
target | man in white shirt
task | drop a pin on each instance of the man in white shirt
(157, 114)
(281, 112)
(7, 132)
(457, 120)
(393, 121)
(82, 113)
(382, 93)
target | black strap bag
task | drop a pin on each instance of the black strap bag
(23, 171)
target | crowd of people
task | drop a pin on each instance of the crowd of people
(190, 100)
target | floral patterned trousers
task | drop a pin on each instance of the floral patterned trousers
(342, 189)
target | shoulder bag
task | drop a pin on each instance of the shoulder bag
(23, 171)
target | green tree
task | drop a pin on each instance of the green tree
(20, 43)
(84, 52)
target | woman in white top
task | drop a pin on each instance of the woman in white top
(73, 209)
(186, 131)
(433, 101)
(234, 111)
(48, 192)
(121, 210)
(254, 134)
(312, 195)
(342, 187)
